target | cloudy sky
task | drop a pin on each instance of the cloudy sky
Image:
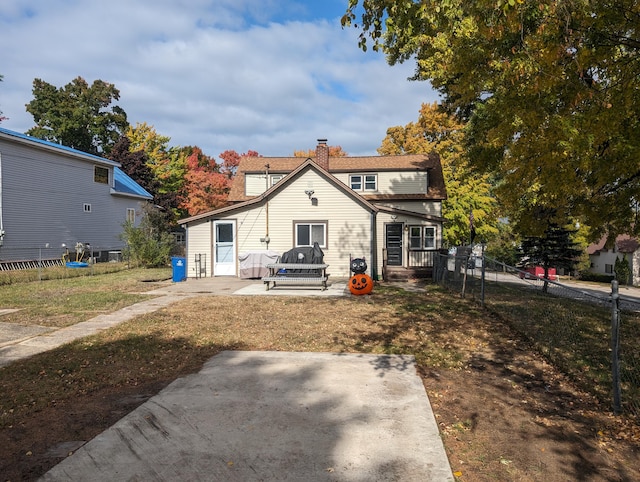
(267, 75)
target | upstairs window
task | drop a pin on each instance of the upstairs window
(101, 174)
(363, 182)
(309, 233)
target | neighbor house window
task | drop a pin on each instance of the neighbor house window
(101, 174)
(86, 207)
(309, 233)
(366, 182)
(422, 237)
(608, 268)
(131, 215)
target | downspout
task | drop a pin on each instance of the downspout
(374, 247)
(266, 207)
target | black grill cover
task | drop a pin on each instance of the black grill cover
(306, 255)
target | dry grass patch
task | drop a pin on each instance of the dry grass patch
(504, 413)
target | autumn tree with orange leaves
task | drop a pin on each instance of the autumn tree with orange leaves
(206, 182)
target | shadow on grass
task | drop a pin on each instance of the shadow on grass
(498, 365)
(76, 391)
(89, 385)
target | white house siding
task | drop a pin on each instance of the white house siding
(255, 184)
(43, 198)
(349, 223)
(199, 242)
(393, 182)
(605, 259)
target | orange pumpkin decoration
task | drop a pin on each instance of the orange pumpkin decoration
(360, 284)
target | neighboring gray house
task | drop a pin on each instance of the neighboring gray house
(52, 196)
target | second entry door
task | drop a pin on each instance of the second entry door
(224, 259)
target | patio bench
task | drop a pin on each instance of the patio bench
(296, 274)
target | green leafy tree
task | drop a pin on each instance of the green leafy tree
(622, 270)
(555, 249)
(167, 165)
(149, 244)
(468, 191)
(78, 115)
(549, 90)
(504, 246)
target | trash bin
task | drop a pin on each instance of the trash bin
(179, 266)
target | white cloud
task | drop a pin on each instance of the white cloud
(220, 75)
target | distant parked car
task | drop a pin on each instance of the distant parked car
(538, 271)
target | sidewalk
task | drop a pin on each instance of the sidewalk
(17, 341)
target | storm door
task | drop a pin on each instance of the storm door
(393, 244)
(224, 248)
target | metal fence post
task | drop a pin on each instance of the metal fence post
(482, 274)
(615, 347)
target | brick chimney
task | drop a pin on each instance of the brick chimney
(322, 154)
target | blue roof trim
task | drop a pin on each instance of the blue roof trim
(123, 184)
(59, 147)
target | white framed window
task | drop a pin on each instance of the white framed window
(370, 182)
(101, 174)
(422, 237)
(307, 233)
(131, 215)
(86, 207)
(363, 182)
(275, 178)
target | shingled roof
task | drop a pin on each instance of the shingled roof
(407, 163)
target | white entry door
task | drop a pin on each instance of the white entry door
(224, 248)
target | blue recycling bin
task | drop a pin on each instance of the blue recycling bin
(179, 266)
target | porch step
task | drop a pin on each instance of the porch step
(394, 273)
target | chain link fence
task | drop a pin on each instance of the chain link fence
(589, 331)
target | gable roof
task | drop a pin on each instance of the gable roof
(52, 146)
(408, 163)
(306, 165)
(623, 243)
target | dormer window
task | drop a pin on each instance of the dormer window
(363, 182)
(275, 178)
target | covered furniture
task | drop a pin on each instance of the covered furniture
(253, 264)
